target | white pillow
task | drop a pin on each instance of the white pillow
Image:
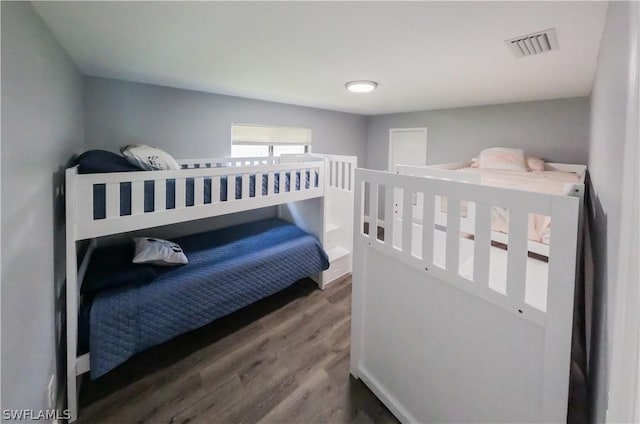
(503, 158)
(149, 158)
(534, 163)
(155, 251)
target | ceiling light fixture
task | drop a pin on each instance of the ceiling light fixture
(361, 86)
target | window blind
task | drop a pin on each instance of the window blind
(258, 134)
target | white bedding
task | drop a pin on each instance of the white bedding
(547, 182)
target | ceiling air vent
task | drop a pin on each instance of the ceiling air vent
(532, 44)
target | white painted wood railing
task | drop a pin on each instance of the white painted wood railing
(340, 172)
(401, 236)
(448, 172)
(439, 347)
(225, 162)
(305, 181)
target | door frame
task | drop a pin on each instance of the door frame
(399, 130)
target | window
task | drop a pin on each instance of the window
(249, 150)
(260, 140)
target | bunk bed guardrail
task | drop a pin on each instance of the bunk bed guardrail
(397, 288)
(448, 172)
(87, 226)
(225, 162)
(339, 171)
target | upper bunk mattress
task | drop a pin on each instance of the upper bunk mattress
(228, 269)
(545, 182)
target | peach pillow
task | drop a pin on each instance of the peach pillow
(534, 163)
(503, 158)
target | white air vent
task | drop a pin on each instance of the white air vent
(532, 44)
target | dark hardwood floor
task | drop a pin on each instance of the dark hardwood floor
(282, 360)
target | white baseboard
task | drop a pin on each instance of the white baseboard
(399, 411)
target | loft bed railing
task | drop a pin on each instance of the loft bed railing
(308, 176)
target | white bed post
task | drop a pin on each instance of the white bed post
(559, 315)
(358, 275)
(71, 293)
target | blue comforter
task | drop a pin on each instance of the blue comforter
(99, 191)
(228, 269)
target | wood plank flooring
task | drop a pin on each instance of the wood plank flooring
(282, 360)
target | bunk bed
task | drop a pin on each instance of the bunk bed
(441, 313)
(228, 268)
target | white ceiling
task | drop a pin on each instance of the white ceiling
(424, 55)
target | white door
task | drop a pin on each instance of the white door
(407, 146)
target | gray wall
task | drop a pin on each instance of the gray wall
(196, 124)
(42, 126)
(606, 158)
(557, 130)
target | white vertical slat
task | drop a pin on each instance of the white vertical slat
(332, 173)
(295, 174)
(388, 215)
(303, 179)
(517, 254)
(112, 200)
(339, 179)
(482, 244)
(231, 187)
(350, 172)
(258, 186)
(345, 175)
(283, 181)
(159, 195)
(271, 183)
(245, 185)
(373, 210)
(453, 234)
(427, 230)
(215, 189)
(181, 192)
(359, 207)
(407, 220)
(83, 212)
(198, 191)
(137, 197)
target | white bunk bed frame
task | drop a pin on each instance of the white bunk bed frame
(437, 347)
(449, 172)
(309, 208)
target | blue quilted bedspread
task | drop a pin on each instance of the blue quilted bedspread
(99, 191)
(228, 269)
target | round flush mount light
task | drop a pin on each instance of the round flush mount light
(361, 86)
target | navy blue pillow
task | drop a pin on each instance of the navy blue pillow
(101, 161)
(111, 267)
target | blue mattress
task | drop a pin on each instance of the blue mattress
(99, 192)
(228, 269)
